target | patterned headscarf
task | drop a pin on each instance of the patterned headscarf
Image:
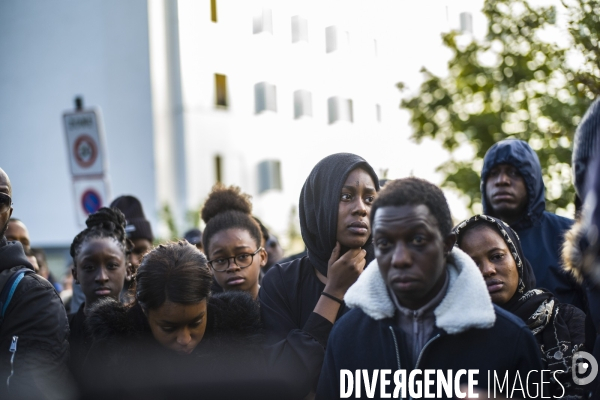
(537, 307)
(526, 275)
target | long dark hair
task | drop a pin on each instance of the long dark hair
(177, 272)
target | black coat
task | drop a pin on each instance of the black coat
(230, 361)
(37, 316)
(470, 333)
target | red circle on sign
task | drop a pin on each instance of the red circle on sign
(85, 151)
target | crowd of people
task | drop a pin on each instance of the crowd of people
(387, 282)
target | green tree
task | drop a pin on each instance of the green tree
(513, 84)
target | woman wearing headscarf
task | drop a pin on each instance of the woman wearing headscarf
(558, 328)
(302, 299)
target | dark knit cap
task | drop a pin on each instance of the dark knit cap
(138, 226)
(193, 236)
(585, 143)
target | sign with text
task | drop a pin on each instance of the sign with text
(90, 195)
(85, 143)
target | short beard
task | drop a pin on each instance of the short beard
(4, 229)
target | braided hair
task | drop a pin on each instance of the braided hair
(227, 208)
(104, 223)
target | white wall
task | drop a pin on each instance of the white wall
(51, 51)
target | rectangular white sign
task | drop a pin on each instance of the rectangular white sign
(85, 143)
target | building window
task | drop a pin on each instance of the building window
(221, 90)
(218, 169)
(378, 112)
(269, 175)
(466, 22)
(265, 97)
(339, 109)
(336, 39)
(302, 104)
(213, 10)
(263, 22)
(299, 29)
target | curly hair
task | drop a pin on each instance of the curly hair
(176, 272)
(416, 191)
(104, 223)
(227, 208)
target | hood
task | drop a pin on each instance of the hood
(12, 255)
(585, 146)
(320, 202)
(460, 309)
(519, 154)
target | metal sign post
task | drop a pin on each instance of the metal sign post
(87, 159)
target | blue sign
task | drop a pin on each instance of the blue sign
(91, 201)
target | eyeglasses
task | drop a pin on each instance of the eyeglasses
(241, 260)
(5, 202)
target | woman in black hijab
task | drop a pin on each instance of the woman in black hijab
(302, 299)
(558, 328)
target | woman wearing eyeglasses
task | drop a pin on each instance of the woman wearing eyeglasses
(233, 240)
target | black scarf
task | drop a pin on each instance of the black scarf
(320, 202)
(538, 308)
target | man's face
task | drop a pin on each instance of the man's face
(506, 192)
(140, 247)
(17, 231)
(411, 253)
(6, 210)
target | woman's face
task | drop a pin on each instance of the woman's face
(356, 199)
(178, 327)
(497, 265)
(236, 243)
(101, 269)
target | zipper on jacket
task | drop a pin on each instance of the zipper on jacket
(13, 350)
(397, 351)
(425, 347)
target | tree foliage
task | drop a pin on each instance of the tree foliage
(513, 84)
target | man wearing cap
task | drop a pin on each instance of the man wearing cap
(138, 227)
(194, 236)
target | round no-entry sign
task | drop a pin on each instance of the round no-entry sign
(91, 201)
(85, 151)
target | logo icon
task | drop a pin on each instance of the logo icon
(584, 368)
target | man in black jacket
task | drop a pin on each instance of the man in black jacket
(422, 306)
(34, 333)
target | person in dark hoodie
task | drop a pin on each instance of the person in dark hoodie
(512, 190)
(302, 299)
(422, 305)
(580, 252)
(558, 328)
(34, 329)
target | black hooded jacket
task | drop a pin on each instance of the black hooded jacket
(37, 317)
(541, 233)
(290, 291)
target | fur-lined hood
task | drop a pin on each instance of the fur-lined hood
(572, 256)
(467, 303)
(233, 318)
